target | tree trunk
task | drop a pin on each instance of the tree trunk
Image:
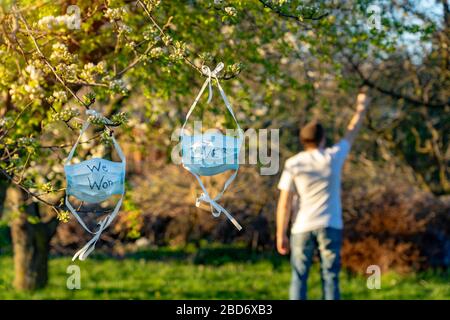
(3, 187)
(31, 247)
(31, 243)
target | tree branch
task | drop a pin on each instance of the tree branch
(34, 195)
(184, 56)
(278, 11)
(392, 93)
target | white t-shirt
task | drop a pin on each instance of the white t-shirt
(316, 176)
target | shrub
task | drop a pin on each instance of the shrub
(395, 228)
(392, 225)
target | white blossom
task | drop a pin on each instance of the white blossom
(52, 22)
(61, 96)
(115, 13)
(33, 72)
(231, 11)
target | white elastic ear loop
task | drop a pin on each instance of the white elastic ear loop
(86, 124)
(208, 82)
(84, 252)
(207, 71)
(213, 202)
(193, 105)
(230, 109)
(92, 112)
(72, 151)
(75, 214)
(212, 74)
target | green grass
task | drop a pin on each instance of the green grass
(212, 273)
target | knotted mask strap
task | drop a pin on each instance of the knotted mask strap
(86, 124)
(75, 214)
(107, 122)
(216, 209)
(230, 109)
(72, 151)
(208, 82)
(84, 252)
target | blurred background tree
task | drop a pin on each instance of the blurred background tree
(139, 63)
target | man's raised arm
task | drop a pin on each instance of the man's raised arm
(362, 101)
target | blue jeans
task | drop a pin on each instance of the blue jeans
(303, 245)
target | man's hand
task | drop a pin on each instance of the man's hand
(362, 101)
(282, 244)
(283, 215)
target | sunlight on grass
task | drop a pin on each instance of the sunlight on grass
(208, 275)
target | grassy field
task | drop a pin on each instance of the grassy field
(213, 273)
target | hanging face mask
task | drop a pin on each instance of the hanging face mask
(210, 154)
(94, 181)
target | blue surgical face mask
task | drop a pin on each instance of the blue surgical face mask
(94, 181)
(210, 154)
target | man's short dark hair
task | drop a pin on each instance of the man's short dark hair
(312, 134)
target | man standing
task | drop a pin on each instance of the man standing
(315, 175)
